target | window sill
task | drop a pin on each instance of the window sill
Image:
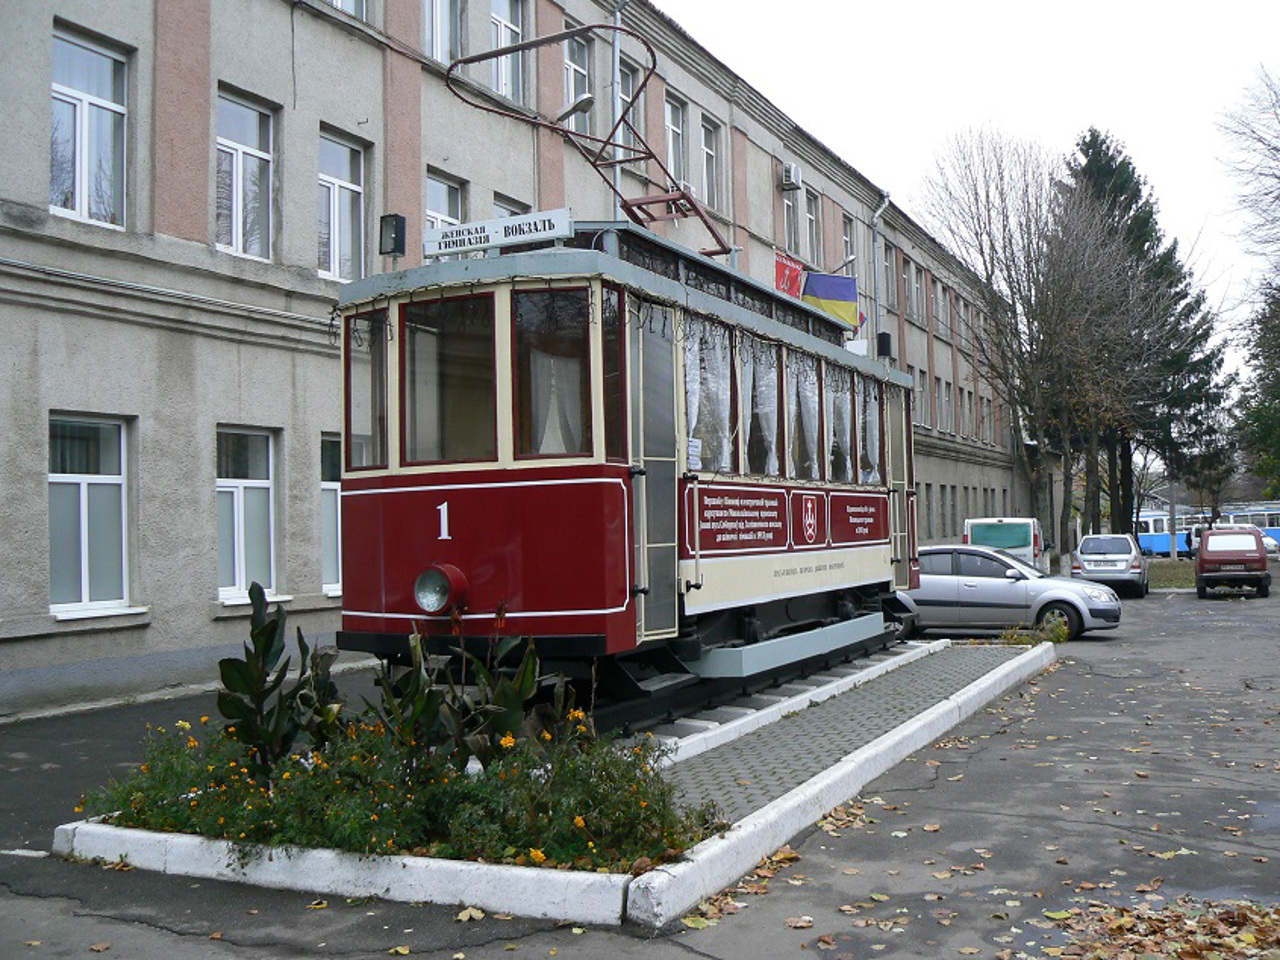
(77, 218)
(97, 613)
(333, 592)
(242, 600)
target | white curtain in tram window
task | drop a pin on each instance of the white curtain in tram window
(425, 380)
(692, 383)
(557, 403)
(839, 416)
(715, 420)
(748, 392)
(804, 417)
(765, 402)
(868, 431)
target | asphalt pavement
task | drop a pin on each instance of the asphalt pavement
(1143, 765)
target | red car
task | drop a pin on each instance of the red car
(1232, 558)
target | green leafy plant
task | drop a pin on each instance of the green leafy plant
(262, 712)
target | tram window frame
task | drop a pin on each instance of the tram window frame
(379, 425)
(828, 431)
(519, 407)
(796, 412)
(406, 322)
(615, 404)
(730, 398)
(748, 343)
(878, 400)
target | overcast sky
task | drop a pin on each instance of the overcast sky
(886, 84)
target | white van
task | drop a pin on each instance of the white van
(1019, 536)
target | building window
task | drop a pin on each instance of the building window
(504, 22)
(86, 148)
(503, 207)
(243, 179)
(628, 80)
(675, 139)
(245, 522)
(331, 514)
(890, 280)
(444, 202)
(87, 548)
(812, 231)
(790, 222)
(341, 254)
(928, 511)
(849, 267)
(577, 79)
(908, 291)
(353, 7)
(710, 164)
(443, 29)
(948, 418)
(922, 397)
(917, 296)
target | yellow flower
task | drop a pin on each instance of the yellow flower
(286, 775)
(536, 855)
(546, 736)
(182, 725)
(192, 743)
(582, 728)
(579, 822)
(204, 719)
(79, 808)
(577, 715)
(507, 741)
(373, 816)
(643, 804)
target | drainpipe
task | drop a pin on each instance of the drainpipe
(617, 104)
(875, 259)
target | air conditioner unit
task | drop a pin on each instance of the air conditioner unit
(689, 188)
(791, 179)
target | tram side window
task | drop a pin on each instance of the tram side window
(448, 381)
(367, 391)
(839, 433)
(615, 381)
(708, 394)
(867, 397)
(553, 379)
(802, 373)
(760, 370)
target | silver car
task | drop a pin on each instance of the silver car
(976, 588)
(1114, 559)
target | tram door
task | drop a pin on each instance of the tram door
(653, 462)
(898, 437)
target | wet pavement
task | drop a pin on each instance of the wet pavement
(1145, 764)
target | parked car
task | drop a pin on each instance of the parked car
(1268, 543)
(1019, 536)
(1111, 558)
(976, 588)
(1232, 558)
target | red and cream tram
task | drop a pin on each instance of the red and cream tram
(625, 453)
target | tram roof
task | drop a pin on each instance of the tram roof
(636, 258)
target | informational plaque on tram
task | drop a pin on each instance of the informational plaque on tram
(504, 232)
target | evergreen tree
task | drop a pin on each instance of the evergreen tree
(1259, 424)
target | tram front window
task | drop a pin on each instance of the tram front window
(449, 381)
(552, 347)
(367, 391)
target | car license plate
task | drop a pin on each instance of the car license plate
(1233, 566)
(1106, 565)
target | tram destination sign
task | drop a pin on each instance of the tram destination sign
(503, 232)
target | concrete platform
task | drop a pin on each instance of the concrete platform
(773, 780)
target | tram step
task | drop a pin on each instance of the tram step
(664, 682)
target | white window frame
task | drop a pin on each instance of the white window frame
(508, 73)
(353, 7)
(577, 78)
(922, 390)
(847, 234)
(890, 279)
(238, 152)
(334, 588)
(813, 226)
(83, 104)
(790, 222)
(238, 592)
(83, 481)
(628, 79)
(335, 186)
(675, 119)
(710, 163)
(506, 207)
(442, 26)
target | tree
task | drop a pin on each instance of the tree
(1259, 423)
(1049, 273)
(1254, 134)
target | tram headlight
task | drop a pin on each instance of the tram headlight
(439, 587)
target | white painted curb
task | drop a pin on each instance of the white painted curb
(661, 896)
(723, 733)
(597, 898)
(656, 899)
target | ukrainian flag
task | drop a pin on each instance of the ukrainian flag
(834, 294)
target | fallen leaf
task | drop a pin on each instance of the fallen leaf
(969, 951)
(100, 947)
(880, 897)
(400, 951)
(850, 871)
(33, 943)
(800, 923)
(931, 827)
(470, 913)
(1140, 774)
(826, 942)
(696, 923)
(318, 905)
(216, 935)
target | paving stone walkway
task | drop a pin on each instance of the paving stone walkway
(745, 775)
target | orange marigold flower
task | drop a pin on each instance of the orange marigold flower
(373, 816)
(576, 714)
(579, 822)
(536, 855)
(507, 741)
(192, 743)
(146, 768)
(546, 736)
(204, 719)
